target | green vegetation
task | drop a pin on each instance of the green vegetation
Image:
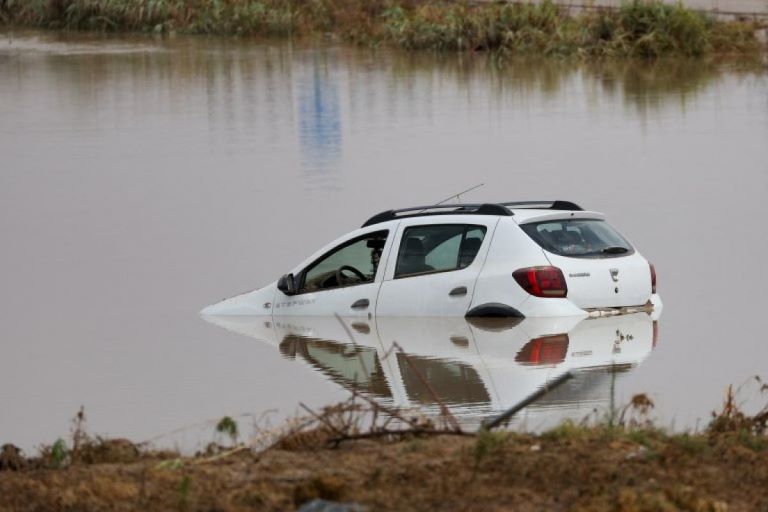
(642, 29)
(487, 443)
(227, 426)
(59, 453)
(184, 488)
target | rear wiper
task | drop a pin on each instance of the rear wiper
(615, 250)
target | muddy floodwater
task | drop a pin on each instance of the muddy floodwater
(143, 179)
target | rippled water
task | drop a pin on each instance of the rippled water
(142, 179)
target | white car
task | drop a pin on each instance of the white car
(522, 259)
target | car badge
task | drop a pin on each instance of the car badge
(615, 275)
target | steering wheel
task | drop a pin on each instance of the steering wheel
(340, 278)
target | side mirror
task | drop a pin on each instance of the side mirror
(286, 284)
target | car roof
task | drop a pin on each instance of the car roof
(505, 209)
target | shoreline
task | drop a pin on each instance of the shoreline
(646, 30)
(373, 457)
(756, 10)
(570, 468)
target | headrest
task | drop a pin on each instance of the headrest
(413, 247)
(471, 245)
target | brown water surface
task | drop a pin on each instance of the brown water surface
(143, 179)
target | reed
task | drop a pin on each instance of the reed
(642, 29)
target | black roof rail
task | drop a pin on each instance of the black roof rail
(552, 205)
(502, 209)
(442, 209)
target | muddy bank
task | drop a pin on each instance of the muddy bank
(393, 461)
(640, 29)
(567, 469)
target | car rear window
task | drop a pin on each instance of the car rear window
(578, 238)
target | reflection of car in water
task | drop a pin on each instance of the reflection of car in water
(477, 367)
(531, 259)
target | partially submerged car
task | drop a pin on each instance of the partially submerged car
(516, 259)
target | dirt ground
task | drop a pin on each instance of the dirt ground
(566, 469)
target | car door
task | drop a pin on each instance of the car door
(344, 280)
(433, 267)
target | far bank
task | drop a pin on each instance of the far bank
(637, 29)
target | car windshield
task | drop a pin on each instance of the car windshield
(579, 238)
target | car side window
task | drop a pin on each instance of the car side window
(438, 248)
(353, 262)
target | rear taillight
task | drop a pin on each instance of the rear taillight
(544, 350)
(542, 281)
(653, 278)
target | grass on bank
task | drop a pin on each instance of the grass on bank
(643, 29)
(626, 465)
(363, 418)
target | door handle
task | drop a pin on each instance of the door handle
(456, 292)
(360, 304)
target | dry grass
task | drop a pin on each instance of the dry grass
(580, 470)
(358, 451)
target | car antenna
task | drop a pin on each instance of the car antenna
(458, 196)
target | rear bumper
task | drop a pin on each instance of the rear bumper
(658, 306)
(534, 307)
